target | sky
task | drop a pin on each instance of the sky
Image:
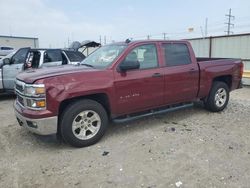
(57, 23)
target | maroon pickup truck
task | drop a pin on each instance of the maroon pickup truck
(120, 82)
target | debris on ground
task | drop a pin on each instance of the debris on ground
(178, 184)
(172, 129)
(105, 153)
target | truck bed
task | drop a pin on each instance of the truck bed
(216, 67)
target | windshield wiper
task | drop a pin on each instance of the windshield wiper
(87, 65)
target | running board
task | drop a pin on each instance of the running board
(152, 112)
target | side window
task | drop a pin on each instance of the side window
(52, 56)
(20, 56)
(146, 55)
(176, 54)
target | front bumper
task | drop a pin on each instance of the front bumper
(43, 126)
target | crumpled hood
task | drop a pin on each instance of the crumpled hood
(30, 76)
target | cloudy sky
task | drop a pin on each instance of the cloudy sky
(58, 22)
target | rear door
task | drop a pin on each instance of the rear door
(181, 74)
(52, 58)
(142, 88)
(16, 66)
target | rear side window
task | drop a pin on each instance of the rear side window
(176, 54)
(52, 56)
(75, 56)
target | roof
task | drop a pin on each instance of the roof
(17, 37)
(142, 41)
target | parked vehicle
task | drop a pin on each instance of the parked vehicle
(120, 82)
(5, 50)
(26, 58)
(86, 47)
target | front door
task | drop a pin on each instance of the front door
(16, 66)
(142, 88)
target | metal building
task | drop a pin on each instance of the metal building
(226, 46)
(18, 42)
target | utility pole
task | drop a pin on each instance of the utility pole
(229, 24)
(206, 27)
(105, 39)
(68, 41)
(100, 39)
(202, 34)
(164, 36)
(148, 37)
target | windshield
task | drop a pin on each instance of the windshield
(104, 56)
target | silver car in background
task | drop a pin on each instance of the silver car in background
(27, 58)
(5, 50)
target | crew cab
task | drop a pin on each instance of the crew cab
(120, 82)
(27, 58)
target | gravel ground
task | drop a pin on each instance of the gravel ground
(186, 148)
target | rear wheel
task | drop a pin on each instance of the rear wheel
(83, 123)
(218, 97)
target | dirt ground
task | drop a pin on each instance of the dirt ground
(186, 148)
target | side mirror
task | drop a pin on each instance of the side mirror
(6, 61)
(129, 65)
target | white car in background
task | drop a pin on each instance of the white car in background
(27, 58)
(5, 50)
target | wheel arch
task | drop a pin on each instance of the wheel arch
(101, 98)
(227, 79)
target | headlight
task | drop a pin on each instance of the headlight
(36, 103)
(34, 90)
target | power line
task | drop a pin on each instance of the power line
(229, 24)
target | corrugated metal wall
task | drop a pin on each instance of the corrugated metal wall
(19, 42)
(233, 46)
(201, 47)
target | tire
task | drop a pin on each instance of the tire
(218, 97)
(83, 123)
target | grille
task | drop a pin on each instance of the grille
(20, 100)
(20, 86)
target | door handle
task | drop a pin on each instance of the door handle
(155, 75)
(192, 70)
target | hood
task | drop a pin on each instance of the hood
(30, 76)
(84, 44)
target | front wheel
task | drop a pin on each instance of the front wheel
(83, 123)
(218, 97)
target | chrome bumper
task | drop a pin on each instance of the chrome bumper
(44, 126)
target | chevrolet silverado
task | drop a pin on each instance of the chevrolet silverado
(120, 82)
